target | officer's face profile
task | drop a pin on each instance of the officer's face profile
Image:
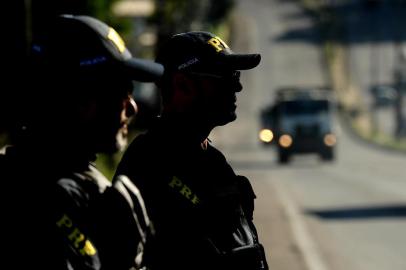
(129, 110)
(216, 95)
(112, 112)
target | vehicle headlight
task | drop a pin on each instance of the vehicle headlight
(285, 140)
(266, 135)
(330, 139)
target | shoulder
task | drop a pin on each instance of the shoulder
(145, 153)
(81, 187)
(217, 157)
(140, 147)
(72, 210)
(132, 197)
(126, 223)
(214, 151)
(141, 142)
(91, 180)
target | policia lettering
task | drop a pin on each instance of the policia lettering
(78, 240)
(184, 190)
(218, 44)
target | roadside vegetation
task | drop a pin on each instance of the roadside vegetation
(352, 108)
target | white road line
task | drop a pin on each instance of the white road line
(304, 242)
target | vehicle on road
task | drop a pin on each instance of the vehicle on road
(301, 121)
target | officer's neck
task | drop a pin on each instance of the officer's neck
(187, 129)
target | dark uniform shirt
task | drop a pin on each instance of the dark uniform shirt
(65, 214)
(201, 210)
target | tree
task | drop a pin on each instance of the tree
(176, 16)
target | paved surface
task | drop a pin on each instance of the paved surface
(345, 215)
(267, 27)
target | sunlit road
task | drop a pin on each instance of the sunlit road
(345, 215)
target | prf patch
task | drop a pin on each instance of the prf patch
(77, 239)
(116, 39)
(218, 44)
(184, 190)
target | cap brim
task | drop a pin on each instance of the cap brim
(143, 70)
(242, 61)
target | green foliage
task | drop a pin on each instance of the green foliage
(42, 10)
(217, 12)
(176, 16)
(184, 15)
(101, 9)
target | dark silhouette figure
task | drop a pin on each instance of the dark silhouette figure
(202, 211)
(65, 214)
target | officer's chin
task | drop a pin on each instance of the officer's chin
(227, 118)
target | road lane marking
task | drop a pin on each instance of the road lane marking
(304, 242)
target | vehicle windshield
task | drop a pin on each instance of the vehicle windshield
(299, 107)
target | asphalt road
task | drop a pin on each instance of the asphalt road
(346, 215)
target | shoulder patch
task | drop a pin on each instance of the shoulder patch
(184, 190)
(75, 236)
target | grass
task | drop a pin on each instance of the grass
(380, 138)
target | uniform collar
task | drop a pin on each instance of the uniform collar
(178, 129)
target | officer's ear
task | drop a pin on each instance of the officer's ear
(184, 83)
(184, 90)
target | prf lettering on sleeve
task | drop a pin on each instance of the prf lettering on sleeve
(218, 44)
(184, 190)
(78, 240)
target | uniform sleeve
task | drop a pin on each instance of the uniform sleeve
(72, 226)
(124, 225)
(247, 196)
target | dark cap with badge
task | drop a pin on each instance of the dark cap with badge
(82, 43)
(200, 51)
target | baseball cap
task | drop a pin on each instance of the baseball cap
(200, 51)
(79, 43)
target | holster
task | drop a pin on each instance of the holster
(250, 257)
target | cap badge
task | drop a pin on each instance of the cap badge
(218, 44)
(116, 39)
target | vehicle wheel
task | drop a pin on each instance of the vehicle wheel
(283, 157)
(327, 154)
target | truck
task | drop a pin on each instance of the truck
(301, 121)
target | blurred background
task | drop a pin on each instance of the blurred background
(321, 128)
